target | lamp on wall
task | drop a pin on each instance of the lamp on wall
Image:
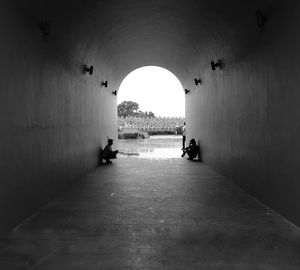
(187, 91)
(87, 69)
(45, 27)
(261, 18)
(215, 65)
(104, 84)
(114, 92)
(198, 81)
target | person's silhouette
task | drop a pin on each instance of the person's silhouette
(192, 150)
(108, 153)
(183, 136)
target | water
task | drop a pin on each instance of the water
(157, 147)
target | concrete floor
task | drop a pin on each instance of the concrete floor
(153, 214)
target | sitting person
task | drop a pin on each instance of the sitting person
(192, 150)
(108, 153)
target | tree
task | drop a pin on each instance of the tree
(131, 108)
(151, 114)
(128, 108)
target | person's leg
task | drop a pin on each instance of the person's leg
(183, 142)
(113, 155)
(192, 154)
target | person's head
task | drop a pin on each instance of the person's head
(110, 141)
(184, 123)
(192, 141)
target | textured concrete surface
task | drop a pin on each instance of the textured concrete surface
(53, 117)
(153, 214)
(50, 118)
(246, 115)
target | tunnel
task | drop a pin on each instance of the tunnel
(56, 113)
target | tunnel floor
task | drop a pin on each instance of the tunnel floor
(153, 214)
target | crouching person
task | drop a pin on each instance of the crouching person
(108, 153)
(192, 150)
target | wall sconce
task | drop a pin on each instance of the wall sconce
(45, 27)
(198, 81)
(187, 91)
(261, 18)
(215, 65)
(87, 69)
(104, 84)
(114, 92)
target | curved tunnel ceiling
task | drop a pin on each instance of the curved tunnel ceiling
(240, 113)
(121, 36)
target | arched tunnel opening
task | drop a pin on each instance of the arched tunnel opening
(62, 61)
(151, 110)
(155, 89)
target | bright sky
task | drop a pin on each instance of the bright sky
(155, 89)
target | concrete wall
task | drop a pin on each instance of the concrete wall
(247, 115)
(53, 119)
